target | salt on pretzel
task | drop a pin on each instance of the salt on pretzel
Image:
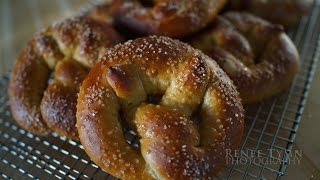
(173, 18)
(64, 51)
(172, 146)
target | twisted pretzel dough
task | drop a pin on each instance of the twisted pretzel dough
(258, 56)
(285, 12)
(65, 50)
(172, 146)
(174, 18)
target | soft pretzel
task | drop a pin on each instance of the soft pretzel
(174, 18)
(285, 12)
(64, 51)
(103, 12)
(258, 56)
(172, 145)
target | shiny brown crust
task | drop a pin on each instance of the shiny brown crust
(173, 18)
(258, 56)
(285, 12)
(103, 12)
(172, 146)
(66, 51)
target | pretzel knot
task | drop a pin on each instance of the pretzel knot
(173, 145)
(258, 56)
(48, 72)
(174, 18)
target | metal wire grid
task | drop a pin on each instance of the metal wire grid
(270, 124)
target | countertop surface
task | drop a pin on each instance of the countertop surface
(19, 20)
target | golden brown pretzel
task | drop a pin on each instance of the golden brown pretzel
(285, 12)
(66, 50)
(174, 18)
(258, 56)
(172, 146)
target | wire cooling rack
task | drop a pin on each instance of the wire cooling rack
(270, 125)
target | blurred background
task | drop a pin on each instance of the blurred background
(21, 19)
